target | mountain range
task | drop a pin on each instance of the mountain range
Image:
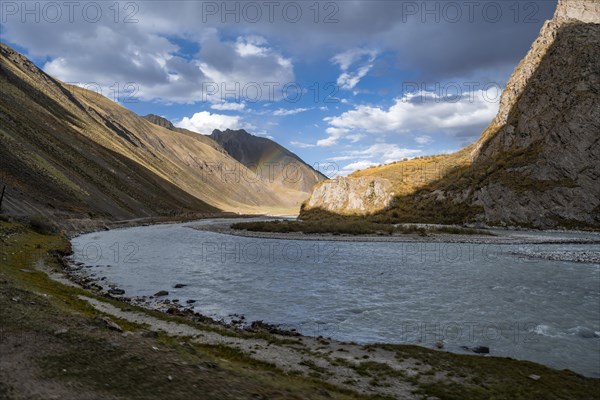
(69, 153)
(536, 165)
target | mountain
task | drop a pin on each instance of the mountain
(536, 165)
(70, 153)
(165, 123)
(268, 159)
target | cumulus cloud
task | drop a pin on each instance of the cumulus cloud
(204, 122)
(155, 55)
(140, 52)
(417, 112)
(355, 166)
(247, 69)
(361, 59)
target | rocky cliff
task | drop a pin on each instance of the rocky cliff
(354, 196)
(538, 163)
(550, 118)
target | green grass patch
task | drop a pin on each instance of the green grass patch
(338, 225)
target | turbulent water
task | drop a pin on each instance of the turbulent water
(461, 294)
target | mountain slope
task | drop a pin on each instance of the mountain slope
(165, 123)
(537, 164)
(268, 159)
(71, 153)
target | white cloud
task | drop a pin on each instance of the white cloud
(283, 112)
(423, 140)
(328, 142)
(335, 134)
(226, 106)
(349, 57)
(386, 153)
(301, 144)
(260, 133)
(380, 25)
(355, 166)
(416, 112)
(348, 79)
(223, 71)
(355, 137)
(205, 122)
(251, 46)
(248, 67)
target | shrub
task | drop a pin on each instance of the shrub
(42, 225)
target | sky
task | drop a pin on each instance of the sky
(343, 84)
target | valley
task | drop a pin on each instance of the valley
(186, 246)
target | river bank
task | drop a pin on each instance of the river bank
(99, 344)
(495, 236)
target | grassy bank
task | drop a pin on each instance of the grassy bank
(351, 226)
(56, 345)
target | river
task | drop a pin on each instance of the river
(460, 294)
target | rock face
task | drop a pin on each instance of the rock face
(567, 11)
(160, 121)
(550, 115)
(587, 11)
(352, 196)
(538, 163)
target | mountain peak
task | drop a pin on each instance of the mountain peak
(228, 131)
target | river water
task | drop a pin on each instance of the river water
(461, 294)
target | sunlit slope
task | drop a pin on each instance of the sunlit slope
(537, 164)
(69, 151)
(270, 160)
(409, 175)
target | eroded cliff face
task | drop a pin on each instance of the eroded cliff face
(586, 11)
(567, 12)
(352, 196)
(538, 163)
(550, 117)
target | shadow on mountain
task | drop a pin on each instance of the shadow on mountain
(540, 169)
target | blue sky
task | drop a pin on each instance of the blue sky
(367, 82)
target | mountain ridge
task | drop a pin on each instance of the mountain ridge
(536, 165)
(268, 159)
(71, 153)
